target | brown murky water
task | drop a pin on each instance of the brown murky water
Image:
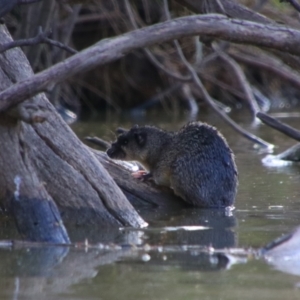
(267, 205)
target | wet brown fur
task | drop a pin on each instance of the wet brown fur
(196, 162)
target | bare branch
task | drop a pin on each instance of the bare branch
(157, 98)
(240, 76)
(229, 8)
(210, 101)
(100, 142)
(108, 50)
(25, 42)
(41, 37)
(149, 54)
(285, 129)
(97, 92)
(59, 45)
(270, 63)
(219, 83)
(153, 59)
(214, 106)
(130, 14)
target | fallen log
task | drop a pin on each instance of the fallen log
(57, 170)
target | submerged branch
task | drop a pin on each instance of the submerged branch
(285, 129)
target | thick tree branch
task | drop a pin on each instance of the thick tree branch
(108, 50)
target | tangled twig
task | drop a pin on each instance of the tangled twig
(41, 37)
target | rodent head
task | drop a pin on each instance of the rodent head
(129, 145)
(142, 144)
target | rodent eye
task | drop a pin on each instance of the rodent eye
(125, 142)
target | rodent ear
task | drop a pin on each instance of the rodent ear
(120, 131)
(135, 126)
(140, 138)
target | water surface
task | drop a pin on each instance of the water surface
(267, 206)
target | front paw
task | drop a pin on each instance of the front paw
(141, 175)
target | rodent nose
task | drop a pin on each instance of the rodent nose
(110, 152)
(115, 152)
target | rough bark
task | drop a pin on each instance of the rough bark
(30, 197)
(50, 153)
(108, 50)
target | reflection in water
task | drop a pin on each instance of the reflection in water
(190, 260)
(31, 267)
(39, 272)
(284, 253)
(218, 235)
(188, 242)
(33, 261)
(209, 228)
(217, 232)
